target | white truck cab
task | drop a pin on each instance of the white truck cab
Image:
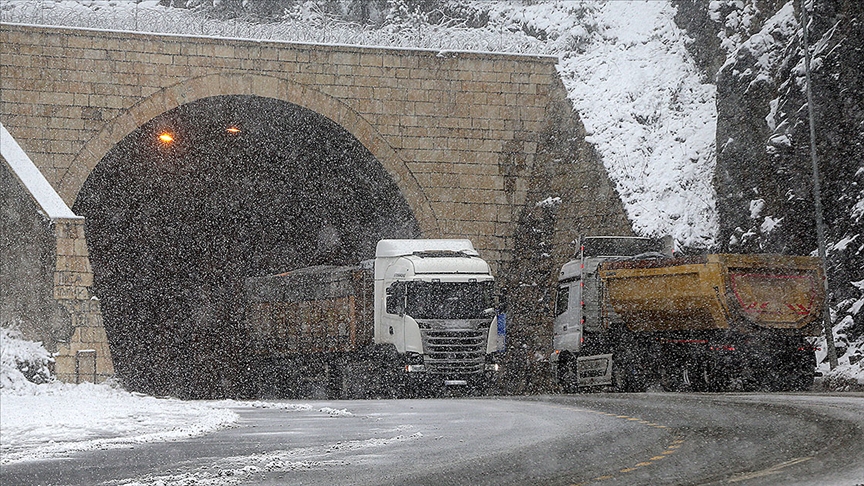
(434, 300)
(579, 309)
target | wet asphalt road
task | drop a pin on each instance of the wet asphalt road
(603, 439)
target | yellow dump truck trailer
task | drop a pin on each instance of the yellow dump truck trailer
(744, 293)
(630, 315)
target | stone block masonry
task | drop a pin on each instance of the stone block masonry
(420, 112)
(45, 278)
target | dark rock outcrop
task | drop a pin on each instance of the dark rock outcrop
(764, 172)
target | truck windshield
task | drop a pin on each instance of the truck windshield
(449, 300)
(621, 246)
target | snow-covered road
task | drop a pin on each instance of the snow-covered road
(652, 438)
(61, 419)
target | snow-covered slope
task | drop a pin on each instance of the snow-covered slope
(650, 117)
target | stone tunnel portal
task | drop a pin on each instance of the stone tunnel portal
(187, 206)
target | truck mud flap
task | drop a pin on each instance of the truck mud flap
(594, 370)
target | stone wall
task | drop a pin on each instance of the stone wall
(45, 278)
(85, 354)
(569, 196)
(439, 122)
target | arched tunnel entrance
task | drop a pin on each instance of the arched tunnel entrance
(190, 204)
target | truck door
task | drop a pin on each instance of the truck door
(394, 314)
(568, 316)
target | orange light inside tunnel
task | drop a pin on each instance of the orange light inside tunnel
(166, 137)
(232, 130)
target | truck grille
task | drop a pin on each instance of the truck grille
(454, 352)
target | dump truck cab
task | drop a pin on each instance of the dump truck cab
(578, 303)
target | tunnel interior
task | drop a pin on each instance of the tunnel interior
(190, 204)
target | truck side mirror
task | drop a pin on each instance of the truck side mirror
(668, 246)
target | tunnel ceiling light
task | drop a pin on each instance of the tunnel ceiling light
(232, 129)
(166, 137)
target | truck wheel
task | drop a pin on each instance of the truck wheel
(772, 375)
(393, 384)
(335, 374)
(683, 377)
(567, 377)
(401, 387)
(801, 381)
(802, 372)
(699, 375)
(669, 379)
(718, 377)
(379, 372)
(619, 378)
(626, 377)
(478, 388)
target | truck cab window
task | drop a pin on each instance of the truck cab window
(562, 300)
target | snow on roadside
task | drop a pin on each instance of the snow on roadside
(60, 419)
(849, 374)
(23, 364)
(241, 469)
(295, 407)
(53, 419)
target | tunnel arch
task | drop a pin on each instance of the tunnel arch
(174, 229)
(223, 84)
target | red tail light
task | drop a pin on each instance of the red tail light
(723, 347)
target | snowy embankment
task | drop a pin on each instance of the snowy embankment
(52, 418)
(849, 374)
(653, 121)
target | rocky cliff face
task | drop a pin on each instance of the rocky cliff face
(754, 51)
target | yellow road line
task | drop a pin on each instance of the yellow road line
(670, 449)
(771, 470)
